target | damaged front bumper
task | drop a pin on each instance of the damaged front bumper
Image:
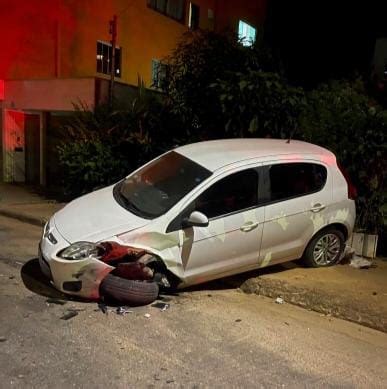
(76, 277)
(81, 278)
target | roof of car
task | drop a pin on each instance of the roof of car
(216, 154)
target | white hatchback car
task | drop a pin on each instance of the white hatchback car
(200, 212)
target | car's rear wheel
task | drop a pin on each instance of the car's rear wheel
(131, 292)
(325, 249)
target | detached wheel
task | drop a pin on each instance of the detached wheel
(324, 249)
(130, 292)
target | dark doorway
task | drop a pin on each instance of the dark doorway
(32, 148)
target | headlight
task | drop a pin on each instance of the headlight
(82, 250)
(46, 229)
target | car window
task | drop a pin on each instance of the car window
(289, 180)
(233, 193)
(158, 186)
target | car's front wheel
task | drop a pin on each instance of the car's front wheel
(325, 249)
(131, 292)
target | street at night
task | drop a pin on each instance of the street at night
(193, 194)
(212, 336)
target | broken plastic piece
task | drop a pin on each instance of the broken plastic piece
(161, 306)
(279, 300)
(123, 311)
(162, 280)
(147, 315)
(69, 315)
(55, 301)
(102, 307)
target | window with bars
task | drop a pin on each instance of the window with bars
(172, 8)
(104, 59)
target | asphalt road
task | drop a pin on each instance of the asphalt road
(209, 337)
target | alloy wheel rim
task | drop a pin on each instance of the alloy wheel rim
(326, 249)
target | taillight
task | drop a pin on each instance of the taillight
(352, 191)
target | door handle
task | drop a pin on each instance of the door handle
(317, 207)
(248, 226)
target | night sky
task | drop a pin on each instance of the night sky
(322, 39)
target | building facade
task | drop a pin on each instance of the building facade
(59, 52)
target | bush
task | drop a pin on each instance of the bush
(341, 117)
(199, 59)
(259, 104)
(88, 165)
(104, 145)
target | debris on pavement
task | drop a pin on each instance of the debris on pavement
(123, 310)
(103, 308)
(56, 301)
(347, 255)
(69, 315)
(360, 262)
(238, 320)
(279, 300)
(162, 306)
(3, 339)
(147, 315)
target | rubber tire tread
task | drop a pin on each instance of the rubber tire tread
(307, 258)
(130, 292)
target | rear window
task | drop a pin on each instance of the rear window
(288, 180)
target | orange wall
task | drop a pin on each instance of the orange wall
(45, 39)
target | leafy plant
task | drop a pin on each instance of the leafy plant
(341, 117)
(200, 58)
(105, 144)
(259, 104)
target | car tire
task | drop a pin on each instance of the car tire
(325, 249)
(131, 292)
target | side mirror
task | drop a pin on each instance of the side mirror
(196, 219)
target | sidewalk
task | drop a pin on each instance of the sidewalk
(358, 295)
(342, 291)
(20, 202)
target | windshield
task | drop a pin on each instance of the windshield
(158, 186)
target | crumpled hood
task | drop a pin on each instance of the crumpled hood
(94, 217)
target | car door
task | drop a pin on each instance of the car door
(232, 239)
(297, 195)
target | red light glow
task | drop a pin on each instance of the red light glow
(2, 90)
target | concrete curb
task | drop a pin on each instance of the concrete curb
(36, 221)
(343, 307)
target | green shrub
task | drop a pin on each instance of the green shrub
(199, 59)
(341, 117)
(259, 104)
(88, 165)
